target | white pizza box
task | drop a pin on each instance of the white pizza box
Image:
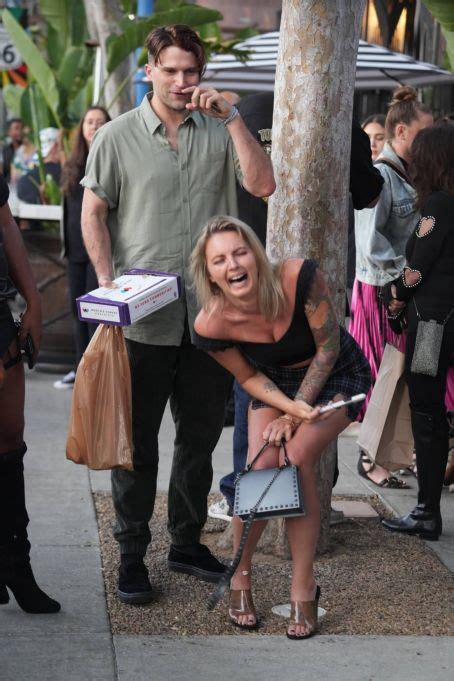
(138, 293)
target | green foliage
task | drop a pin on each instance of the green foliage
(63, 75)
(135, 31)
(37, 65)
(128, 6)
(165, 5)
(44, 116)
(11, 96)
(443, 11)
(55, 14)
(214, 44)
(52, 192)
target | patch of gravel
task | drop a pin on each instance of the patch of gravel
(372, 581)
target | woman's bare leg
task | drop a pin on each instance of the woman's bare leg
(258, 419)
(305, 449)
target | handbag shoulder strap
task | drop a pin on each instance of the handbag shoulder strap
(445, 319)
(395, 167)
(224, 580)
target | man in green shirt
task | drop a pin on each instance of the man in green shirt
(154, 176)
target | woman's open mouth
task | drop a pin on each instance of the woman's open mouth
(238, 279)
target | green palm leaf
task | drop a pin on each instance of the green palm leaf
(443, 11)
(69, 71)
(56, 14)
(12, 95)
(38, 67)
(120, 46)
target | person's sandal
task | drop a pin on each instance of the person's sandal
(240, 604)
(304, 612)
(390, 482)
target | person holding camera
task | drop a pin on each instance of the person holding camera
(15, 570)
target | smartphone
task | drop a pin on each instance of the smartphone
(342, 403)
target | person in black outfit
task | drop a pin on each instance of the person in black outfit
(425, 290)
(365, 186)
(15, 134)
(15, 569)
(81, 275)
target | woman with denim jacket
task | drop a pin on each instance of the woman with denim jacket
(381, 234)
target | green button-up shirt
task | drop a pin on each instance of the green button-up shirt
(159, 200)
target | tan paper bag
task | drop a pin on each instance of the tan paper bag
(385, 434)
(100, 426)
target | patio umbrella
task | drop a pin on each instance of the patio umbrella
(377, 68)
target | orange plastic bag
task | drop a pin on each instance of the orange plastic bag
(100, 425)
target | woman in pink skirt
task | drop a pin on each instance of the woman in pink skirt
(381, 234)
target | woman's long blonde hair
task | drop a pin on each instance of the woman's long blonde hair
(270, 295)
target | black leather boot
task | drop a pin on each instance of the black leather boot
(426, 525)
(431, 445)
(15, 570)
(4, 595)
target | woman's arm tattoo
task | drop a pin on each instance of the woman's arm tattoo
(326, 333)
(270, 387)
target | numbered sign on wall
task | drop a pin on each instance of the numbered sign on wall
(9, 56)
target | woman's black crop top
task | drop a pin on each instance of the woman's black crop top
(296, 345)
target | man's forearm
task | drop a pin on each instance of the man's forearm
(258, 178)
(97, 241)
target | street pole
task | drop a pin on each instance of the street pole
(144, 9)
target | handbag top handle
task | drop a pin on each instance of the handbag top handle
(260, 452)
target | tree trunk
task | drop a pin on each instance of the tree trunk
(103, 17)
(313, 99)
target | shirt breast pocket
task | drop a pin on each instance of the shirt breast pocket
(403, 208)
(211, 169)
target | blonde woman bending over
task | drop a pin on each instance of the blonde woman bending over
(275, 330)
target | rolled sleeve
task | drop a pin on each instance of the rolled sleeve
(103, 172)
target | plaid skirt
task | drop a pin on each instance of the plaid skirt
(350, 375)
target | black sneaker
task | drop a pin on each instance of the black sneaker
(134, 587)
(196, 560)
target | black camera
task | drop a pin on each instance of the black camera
(28, 351)
(27, 348)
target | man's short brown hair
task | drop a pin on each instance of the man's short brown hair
(176, 35)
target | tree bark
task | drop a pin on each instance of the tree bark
(313, 99)
(103, 18)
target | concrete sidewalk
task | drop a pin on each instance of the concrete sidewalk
(76, 645)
